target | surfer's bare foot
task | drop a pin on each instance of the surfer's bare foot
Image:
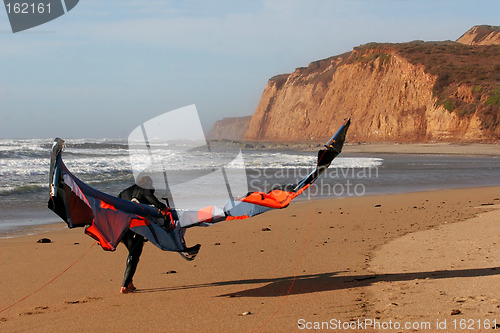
(131, 286)
(125, 290)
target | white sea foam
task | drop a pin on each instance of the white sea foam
(24, 165)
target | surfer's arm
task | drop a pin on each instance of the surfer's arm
(152, 200)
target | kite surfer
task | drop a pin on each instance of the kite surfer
(142, 192)
(107, 218)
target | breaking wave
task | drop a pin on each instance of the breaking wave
(24, 164)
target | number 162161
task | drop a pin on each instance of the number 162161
(471, 324)
(28, 8)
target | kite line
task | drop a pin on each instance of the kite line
(53, 279)
(299, 264)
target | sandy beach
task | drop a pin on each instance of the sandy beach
(470, 149)
(406, 258)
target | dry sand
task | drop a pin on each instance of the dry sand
(415, 286)
(398, 258)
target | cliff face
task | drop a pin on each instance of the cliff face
(410, 92)
(229, 129)
(481, 35)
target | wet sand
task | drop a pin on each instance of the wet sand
(399, 258)
(439, 148)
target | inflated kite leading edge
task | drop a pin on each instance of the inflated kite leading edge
(107, 218)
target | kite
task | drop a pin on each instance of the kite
(107, 218)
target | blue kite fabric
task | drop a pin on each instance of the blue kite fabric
(107, 218)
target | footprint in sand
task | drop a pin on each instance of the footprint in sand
(85, 300)
(37, 310)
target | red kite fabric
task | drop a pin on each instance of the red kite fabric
(107, 218)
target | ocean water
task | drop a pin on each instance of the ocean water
(198, 177)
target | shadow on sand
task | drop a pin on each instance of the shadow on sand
(306, 284)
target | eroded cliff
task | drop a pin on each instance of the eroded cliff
(232, 128)
(481, 35)
(409, 92)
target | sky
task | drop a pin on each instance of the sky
(106, 67)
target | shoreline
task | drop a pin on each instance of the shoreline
(325, 248)
(433, 148)
(39, 228)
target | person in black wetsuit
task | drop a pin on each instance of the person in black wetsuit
(143, 192)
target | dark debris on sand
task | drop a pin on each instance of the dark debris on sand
(44, 240)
